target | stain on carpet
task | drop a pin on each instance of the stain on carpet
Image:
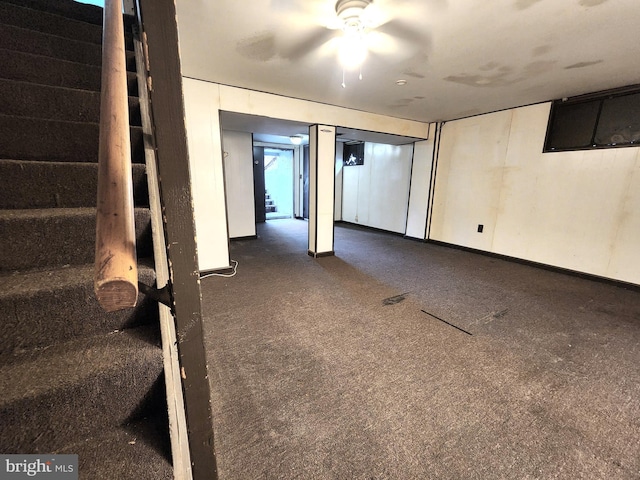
(395, 299)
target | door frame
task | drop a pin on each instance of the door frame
(297, 174)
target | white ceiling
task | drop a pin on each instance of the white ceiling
(459, 57)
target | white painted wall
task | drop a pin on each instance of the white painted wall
(376, 194)
(419, 191)
(297, 181)
(203, 102)
(576, 210)
(205, 162)
(337, 214)
(238, 175)
(234, 99)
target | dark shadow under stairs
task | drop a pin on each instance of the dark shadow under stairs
(73, 378)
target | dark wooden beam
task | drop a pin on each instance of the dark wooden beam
(159, 24)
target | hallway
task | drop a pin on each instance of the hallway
(403, 360)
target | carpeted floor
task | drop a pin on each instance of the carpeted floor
(331, 369)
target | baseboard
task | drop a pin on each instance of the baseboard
(321, 254)
(248, 237)
(344, 223)
(543, 266)
(415, 239)
(224, 271)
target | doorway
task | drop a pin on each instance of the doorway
(273, 182)
(305, 182)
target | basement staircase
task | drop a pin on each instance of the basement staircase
(269, 204)
(73, 379)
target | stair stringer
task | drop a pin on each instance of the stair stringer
(173, 383)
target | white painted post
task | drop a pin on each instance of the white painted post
(322, 154)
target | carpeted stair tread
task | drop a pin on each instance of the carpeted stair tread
(38, 184)
(26, 99)
(68, 8)
(44, 70)
(30, 282)
(45, 22)
(58, 237)
(35, 372)
(29, 138)
(30, 41)
(67, 297)
(54, 395)
(138, 450)
(64, 48)
(73, 379)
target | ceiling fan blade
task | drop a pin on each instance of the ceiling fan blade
(307, 45)
(382, 43)
(419, 39)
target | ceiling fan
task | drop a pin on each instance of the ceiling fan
(353, 48)
(364, 26)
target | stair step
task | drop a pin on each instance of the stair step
(56, 103)
(138, 450)
(73, 379)
(50, 17)
(29, 138)
(68, 8)
(67, 297)
(45, 22)
(52, 397)
(44, 70)
(57, 237)
(29, 41)
(35, 184)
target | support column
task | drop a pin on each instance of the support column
(322, 155)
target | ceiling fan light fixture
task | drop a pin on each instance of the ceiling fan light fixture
(350, 10)
(353, 51)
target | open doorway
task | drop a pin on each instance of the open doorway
(278, 183)
(273, 177)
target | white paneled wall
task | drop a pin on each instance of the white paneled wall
(576, 210)
(238, 175)
(376, 194)
(207, 178)
(203, 102)
(337, 215)
(420, 183)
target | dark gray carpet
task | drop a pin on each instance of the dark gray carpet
(315, 376)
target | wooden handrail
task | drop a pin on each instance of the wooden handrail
(116, 272)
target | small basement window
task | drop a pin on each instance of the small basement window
(603, 120)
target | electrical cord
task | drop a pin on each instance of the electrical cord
(225, 275)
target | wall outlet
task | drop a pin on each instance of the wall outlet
(480, 228)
